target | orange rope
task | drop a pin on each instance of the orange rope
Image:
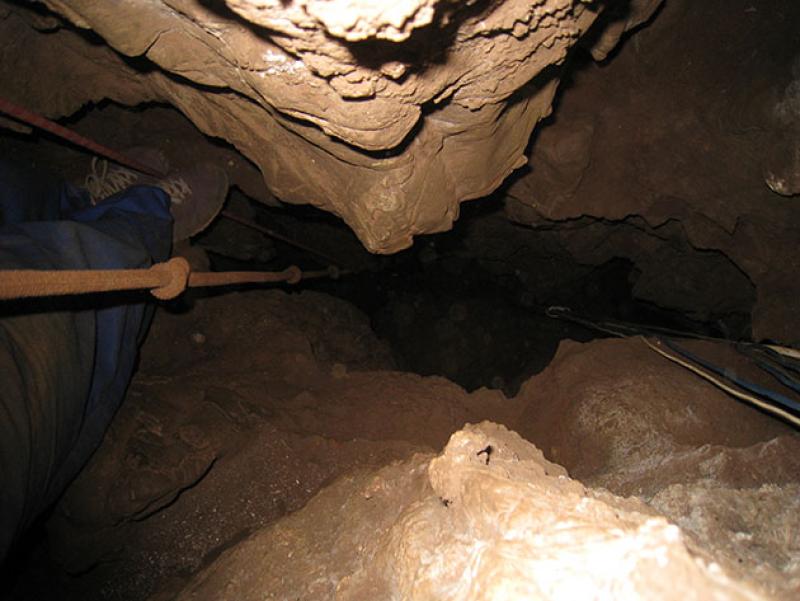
(164, 280)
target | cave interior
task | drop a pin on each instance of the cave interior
(656, 200)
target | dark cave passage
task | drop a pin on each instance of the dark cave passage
(469, 304)
(447, 308)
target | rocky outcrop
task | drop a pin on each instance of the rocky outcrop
(387, 114)
(489, 518)
(621, 418)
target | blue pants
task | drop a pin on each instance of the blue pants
(65, 362)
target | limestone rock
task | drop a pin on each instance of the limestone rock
(683, 141)
(387, 114)
(782, 165)
(622, 418)
(489, 518)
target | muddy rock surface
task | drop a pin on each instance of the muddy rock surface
(388, 116)
(618, 416)
(260, 451)
(244, 407)
(489, 506)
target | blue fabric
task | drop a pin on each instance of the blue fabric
(65, 363)
(28, 194)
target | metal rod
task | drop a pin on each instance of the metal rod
(277, 236)
(36, 120)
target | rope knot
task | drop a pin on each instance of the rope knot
(173, 278)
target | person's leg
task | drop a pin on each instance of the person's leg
(65, 363)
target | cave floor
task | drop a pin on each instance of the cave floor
(247, 404)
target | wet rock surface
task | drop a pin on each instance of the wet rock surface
(388, 117)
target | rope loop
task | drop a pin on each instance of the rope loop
(174, 277)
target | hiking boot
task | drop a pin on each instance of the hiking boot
(197, 193)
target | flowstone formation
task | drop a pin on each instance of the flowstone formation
(388, 114)
(489, 518)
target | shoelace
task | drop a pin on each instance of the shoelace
(104, 181)
(176, 187)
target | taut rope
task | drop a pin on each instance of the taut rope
(164, 280)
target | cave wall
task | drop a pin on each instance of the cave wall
(386, 114)
(666, 152)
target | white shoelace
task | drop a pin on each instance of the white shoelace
(103, 182)
(177, 188)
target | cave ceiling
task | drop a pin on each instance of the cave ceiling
(390, 114)
(387, 114)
